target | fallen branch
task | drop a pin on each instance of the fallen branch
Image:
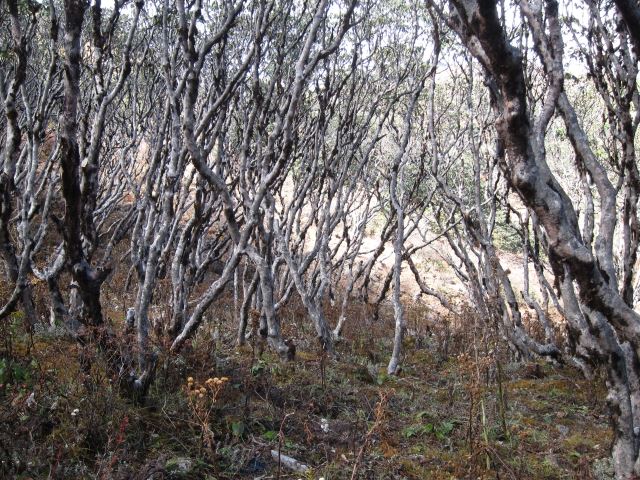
(289, 462)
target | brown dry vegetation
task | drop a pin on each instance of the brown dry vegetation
(461, 408)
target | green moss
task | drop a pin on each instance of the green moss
(579, 442)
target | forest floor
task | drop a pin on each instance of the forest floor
(461, 408)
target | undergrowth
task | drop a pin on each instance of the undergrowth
(462, 407)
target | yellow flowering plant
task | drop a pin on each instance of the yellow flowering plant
(202, 399)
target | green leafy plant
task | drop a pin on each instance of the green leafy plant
(259, 367)
(238, 428)
(417, 430)
(443, 430)
(270, 435)
(16, 372)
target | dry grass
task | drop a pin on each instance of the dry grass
(445, 415)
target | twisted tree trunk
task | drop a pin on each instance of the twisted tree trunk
(609, 318)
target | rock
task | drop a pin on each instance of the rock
(367, 373)
(564, 431)
(255, 466)
(361, 373)
(178, 467)
(602, 469)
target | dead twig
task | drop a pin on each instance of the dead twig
(380, 410)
